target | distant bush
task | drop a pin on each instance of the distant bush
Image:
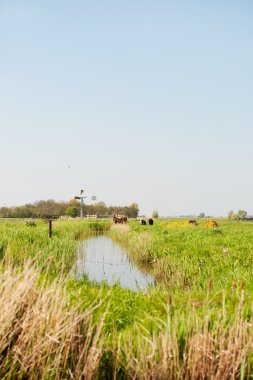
(72, 211)
(30, 223)
(98, 226)
(155, 214)
(211, 223)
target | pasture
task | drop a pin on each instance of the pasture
(195, 323)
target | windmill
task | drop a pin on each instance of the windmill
(81, 198)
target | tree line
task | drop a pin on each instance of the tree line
(241, 214)
(71, 208)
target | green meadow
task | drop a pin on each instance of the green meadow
(195, 323)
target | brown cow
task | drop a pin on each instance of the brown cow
(193, 222)
(119, 219)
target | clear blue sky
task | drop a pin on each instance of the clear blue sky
(134, 101)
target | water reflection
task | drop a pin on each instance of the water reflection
(102, 259)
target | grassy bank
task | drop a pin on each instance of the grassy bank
(196, 323)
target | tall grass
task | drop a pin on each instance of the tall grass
(19, 241)
(223, 352)
(195, 324)
(41, 337)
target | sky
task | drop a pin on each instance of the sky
(132, 101)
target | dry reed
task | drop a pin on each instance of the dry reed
(219, 354)
(41, 337)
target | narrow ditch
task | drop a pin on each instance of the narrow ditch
(101, 259)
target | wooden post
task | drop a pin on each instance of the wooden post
(50, 228)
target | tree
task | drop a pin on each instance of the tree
(49, 207)
(230, 214)
(73, 202)
(241, 214)
(71, 208)
(133, 210)
(72, 211)
(155, 214)
(202, 215)
(98, 208)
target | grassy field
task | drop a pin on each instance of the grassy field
(196, 323)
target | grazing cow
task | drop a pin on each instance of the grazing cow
(193, 222)
(150, 222)
(119, 219)
(143, 222)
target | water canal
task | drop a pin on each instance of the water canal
(101, 259)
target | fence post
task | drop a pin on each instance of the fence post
(50, 228)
